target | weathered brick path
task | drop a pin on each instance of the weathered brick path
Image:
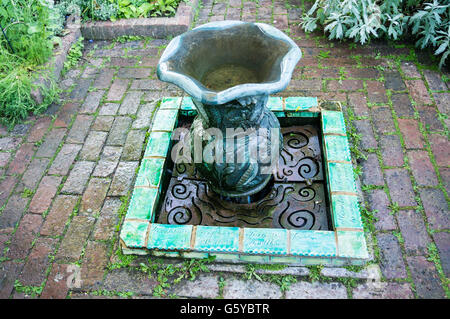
(66, 174)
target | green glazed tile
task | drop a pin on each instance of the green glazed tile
(169, 237)
(298, 103)
(158, 253)
(150, 172)
(133, 233)
(313, 243)
(345, 210)
(255, 259)
(357, 262)
(195, 254)
(158, 144)
(284, 260)
(189, 113)
(338, 262)
(275, 103)
(165, 120)
(170, 103)
(214, 238)
(312, 261)
(142, 203)
(352, 244)
(337, 148)
(134, 251)
(227, 257)
(187, 104)
(265, 241)
(302, 114)
(293, 114)
(340, 177)
(279, 114)
(333, 122)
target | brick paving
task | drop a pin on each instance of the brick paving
(64, 175)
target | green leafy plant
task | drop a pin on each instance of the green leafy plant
(363, 20)
(108, 293)
(315, 273)
(164, 7)
(27, 193)
(368, 219)
(32, 291)
(173, 274)
(26, 26)
(284, 282)
(144, 8)
(126, 38)
(324, 54)
(88, 9)
(432, 26)
(74, 55)
(16, 83)
(116, 9)
(251, 273)
(25, 46)
(132, 9)
(394, 207)
(352, 19)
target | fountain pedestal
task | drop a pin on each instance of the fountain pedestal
(248, 142)
(229, 68)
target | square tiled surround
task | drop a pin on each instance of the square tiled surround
(344, 245)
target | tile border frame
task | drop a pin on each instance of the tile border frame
(345, 245)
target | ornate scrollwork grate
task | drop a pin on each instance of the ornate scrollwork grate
(295, 199)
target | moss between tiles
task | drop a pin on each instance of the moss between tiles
(307, 215)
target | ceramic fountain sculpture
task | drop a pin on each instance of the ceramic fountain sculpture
(229, 68)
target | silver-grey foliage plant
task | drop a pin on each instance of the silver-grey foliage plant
(362, 20)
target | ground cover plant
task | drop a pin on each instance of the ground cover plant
(30, 32)
(28, 37)
(117, 9)
(426, 22)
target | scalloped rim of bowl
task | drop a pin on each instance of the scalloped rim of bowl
(199, 92)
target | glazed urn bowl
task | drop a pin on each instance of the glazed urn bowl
(229, 69)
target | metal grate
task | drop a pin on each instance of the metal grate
(295, 199)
